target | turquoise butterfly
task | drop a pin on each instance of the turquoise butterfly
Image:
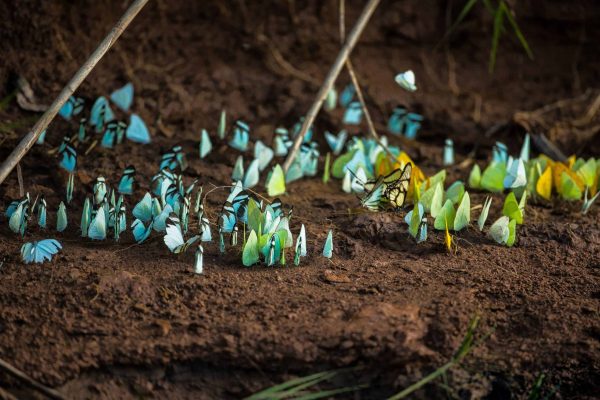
(241, 136)
(41, 251)
(126, 182)
(72, 107)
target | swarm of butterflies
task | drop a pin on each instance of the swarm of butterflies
(385, 177)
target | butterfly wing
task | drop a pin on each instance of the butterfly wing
(123, 97)
(174, 237)
(328, 247)
(137, 130)
(97, 230)
(143, 209)
(140, 231)
(276, 182)
(252, 175)
(205, 144)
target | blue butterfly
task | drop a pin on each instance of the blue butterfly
(18, 215)
(347, 95)
(263, 153)
(500, 153)
(412, 125)
(97, 229)
(205, 144)
(38, 252)
(99, 190)
(396, 121)
(41, 138)
(113, 134)
(126, 182)
(295, 172)
(282, 142)
(175, 157)
(241, 136)
(198, 260)
(174, 237)
(68, 155)
(353, 114)
(296, 130)
(101, 114)
(448, 158)
(81, 132)
(309, 158)
(252, 175)
(336, 142)
(41, 212)
(73, 106)
(137, 131)
(227, 219)
(123, 97)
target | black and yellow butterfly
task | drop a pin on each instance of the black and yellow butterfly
(396, 188)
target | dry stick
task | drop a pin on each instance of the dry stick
(29, 140)
(359, 93)
(330, 79)
(53, 394)
(20, 180)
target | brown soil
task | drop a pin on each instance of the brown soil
(109, 320)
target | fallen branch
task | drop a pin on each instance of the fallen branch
(29, 140)
(51, 393)
(331, 78)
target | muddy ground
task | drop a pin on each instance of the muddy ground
(110, 320)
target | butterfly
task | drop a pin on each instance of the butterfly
(113, 134)
(396, 122)
(73, 106)
(205, 144)
(137, 131)
(353, 114)
(417, 223)
(101, 114)
(175, 157)
(238, 169)
(42, 138)
(463, 213)
(515, 174)
(328, 247)
(100, 190)
(221, 129)
(503, 231)
(61, 217)
(330, 100)
(70, 187)
(412, 125)
(500, 152)
(272, 250)
(298, 126)
(262, 153)
(282, 142)
(198, 260)
(18, 215)
(41, 213)
(493, 176)
(250, 253)
(276, 181)
(484, 213)
(448, 158)
(526, 148)
(396, 186)
(86, 216)
(587, 203)
(300, 250)
(123, 97)
(174, 237)
(445, 217)
(97, 229)
(309, 158)
(511, 208)
(252, 175)
(406, 80)
(41, 251)
(227, 218)
(474, 180)
(336, 143)
(347, 95)
(81, 132)
(294, 172)
(241, 136)
(126, 181)
(68, 155)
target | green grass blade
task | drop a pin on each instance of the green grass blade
(498, 18)
(330, 393)
(292, 386)
(463, 13)
(518, 32)
(536, 390)
(418, 385)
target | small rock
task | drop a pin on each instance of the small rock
(333, 277)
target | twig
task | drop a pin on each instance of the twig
(359, 93)
(51, 393)
(330, 79)
(20, 180)
(284, 64)
(29, 140)
(4, 395)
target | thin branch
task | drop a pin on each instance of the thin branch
(359, 93)
(29, 140)
(330, 79)
(51, 393)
